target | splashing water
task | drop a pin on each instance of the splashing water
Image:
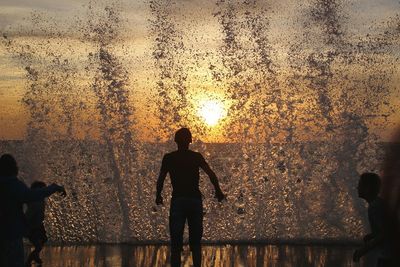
(296, 134)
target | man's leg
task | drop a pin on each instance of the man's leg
(176, 226)
(195, 222)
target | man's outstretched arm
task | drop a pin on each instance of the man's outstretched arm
(214, 180)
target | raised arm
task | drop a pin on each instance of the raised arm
(214, 180)
(160, 182)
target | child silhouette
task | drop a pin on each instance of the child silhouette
(34, 215)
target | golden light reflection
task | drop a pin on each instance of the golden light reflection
(211, 111)
(208, 114)
(222, 255)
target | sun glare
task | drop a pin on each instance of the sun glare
(211, 111)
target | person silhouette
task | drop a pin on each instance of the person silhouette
(186, 202)
(391, 194)
(34, 215)
(377, 241)
(13, 194)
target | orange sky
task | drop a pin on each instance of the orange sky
(201, 35)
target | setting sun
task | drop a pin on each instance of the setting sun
(211, 111)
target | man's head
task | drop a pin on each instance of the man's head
(8, 165)
(183, 137)
(369, 186)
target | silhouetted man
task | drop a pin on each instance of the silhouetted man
(186, 204)
(13, 193)
(377, 241)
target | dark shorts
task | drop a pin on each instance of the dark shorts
(182, 209)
